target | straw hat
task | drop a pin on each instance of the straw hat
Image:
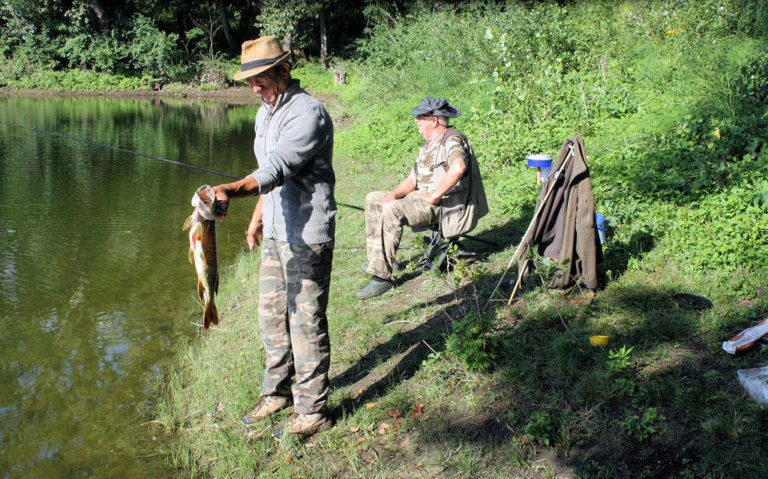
(260, 55)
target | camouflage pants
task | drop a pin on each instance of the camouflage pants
(384, 227)
(293, 296)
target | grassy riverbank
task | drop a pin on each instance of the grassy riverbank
(671, 100)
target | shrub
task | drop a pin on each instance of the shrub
(468, 341)
(151, 50)
(675, 132)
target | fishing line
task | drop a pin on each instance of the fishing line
(123, 150)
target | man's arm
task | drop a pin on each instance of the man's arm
(248, 186)
(406, 186)
(454, 174)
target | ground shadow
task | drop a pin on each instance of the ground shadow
(617, 254)
(551, 397)
(645, 416)
(408, 349)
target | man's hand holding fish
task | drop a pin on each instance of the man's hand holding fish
(248, 186)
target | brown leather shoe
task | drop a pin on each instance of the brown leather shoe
(266, 406)
(304, 425)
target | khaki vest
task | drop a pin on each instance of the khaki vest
(465, 203)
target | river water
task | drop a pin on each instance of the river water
(96, 290)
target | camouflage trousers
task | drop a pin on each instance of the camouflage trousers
(293, 296)
(384, 227)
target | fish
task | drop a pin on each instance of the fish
(202, 249)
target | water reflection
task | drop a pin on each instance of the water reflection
(95, 284)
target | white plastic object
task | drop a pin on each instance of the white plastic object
(755, 381)
(747, 338)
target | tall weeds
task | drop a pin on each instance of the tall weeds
(669, 95)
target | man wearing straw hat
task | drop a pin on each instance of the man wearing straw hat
(295, 218)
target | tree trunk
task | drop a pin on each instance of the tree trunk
(233, 46)
(287, 41)
(101, 15)
(323, 41)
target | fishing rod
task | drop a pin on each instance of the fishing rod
(123, 150)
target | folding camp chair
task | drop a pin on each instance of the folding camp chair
(440, 250)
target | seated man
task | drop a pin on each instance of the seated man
(445, 176)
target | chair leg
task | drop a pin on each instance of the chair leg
(463, 252)
(447, 257)
(438, 253)
(433, 249)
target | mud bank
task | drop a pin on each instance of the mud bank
(239, 95)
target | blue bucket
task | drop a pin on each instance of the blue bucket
(543, 162)
(539, 161)
(600, 222)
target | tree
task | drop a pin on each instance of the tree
(233, 46)
(100, 14)
(282, 19)
(323, 40)
(207, 23)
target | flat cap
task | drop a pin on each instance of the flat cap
(435, 107)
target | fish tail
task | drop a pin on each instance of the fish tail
(210, 315)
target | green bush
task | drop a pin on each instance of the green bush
(152, 51)
(78, 80)
(671, 101)
(468, 341)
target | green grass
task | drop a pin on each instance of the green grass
(425, 385)
(549, 403)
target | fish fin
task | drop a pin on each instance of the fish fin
(210, 315)
(191, 256)
(200, 290)
(199, 231)
(188, 222)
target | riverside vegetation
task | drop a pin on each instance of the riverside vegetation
(672, 99)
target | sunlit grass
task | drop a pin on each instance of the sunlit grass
(661, 400)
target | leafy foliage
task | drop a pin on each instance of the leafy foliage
(675, 133)
(152, 51)
(158, 42)
(79, 80)
(469, 342)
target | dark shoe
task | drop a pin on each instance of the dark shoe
(374, 288)
(266, 406)
(304, 425)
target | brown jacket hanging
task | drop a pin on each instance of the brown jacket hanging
(566, 230)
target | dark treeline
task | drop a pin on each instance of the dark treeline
(175, 40)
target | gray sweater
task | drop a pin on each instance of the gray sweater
(294, 146)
